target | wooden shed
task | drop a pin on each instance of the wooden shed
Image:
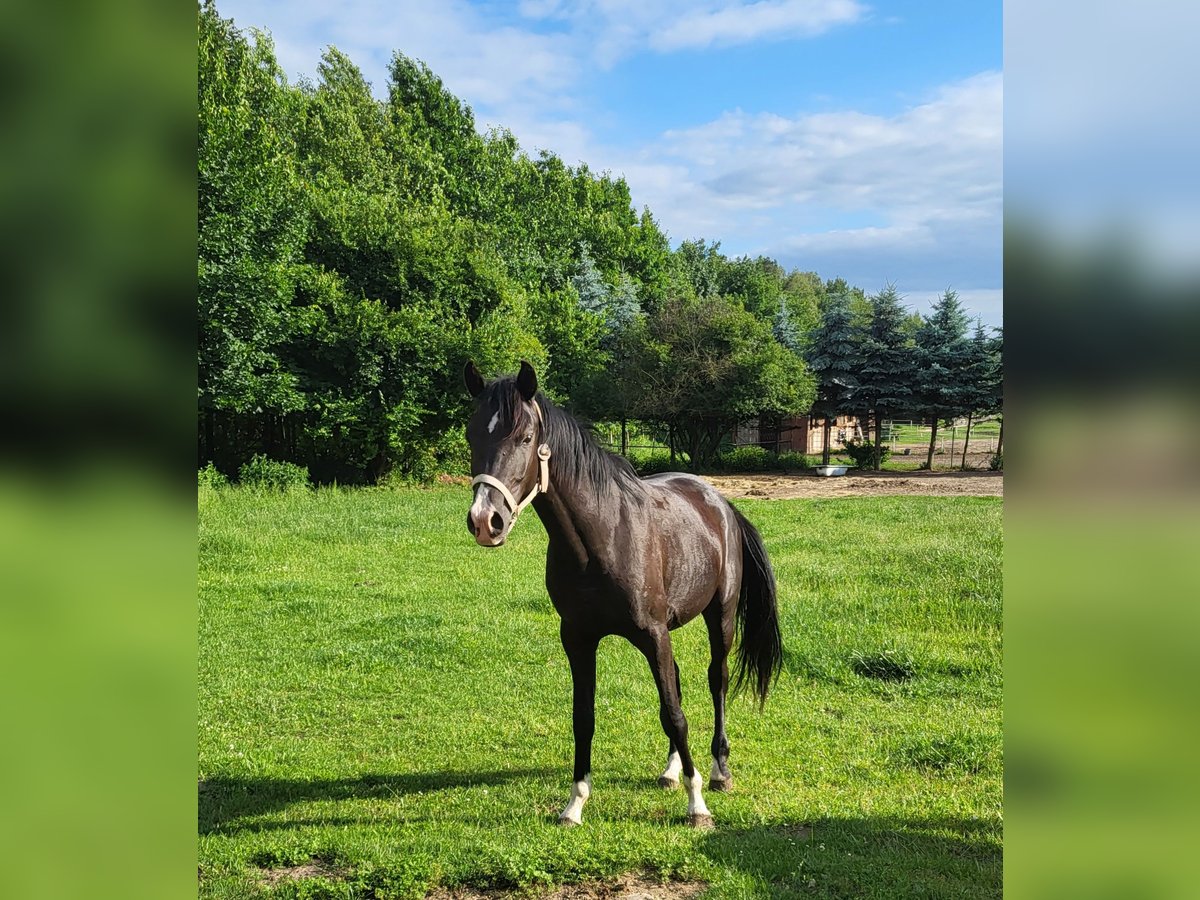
(799, 434)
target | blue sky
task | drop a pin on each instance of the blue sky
(854, 139)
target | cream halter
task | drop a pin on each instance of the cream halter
(541, 486)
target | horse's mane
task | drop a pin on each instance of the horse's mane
(578, 461)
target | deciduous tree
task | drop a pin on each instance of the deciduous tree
(708, 364)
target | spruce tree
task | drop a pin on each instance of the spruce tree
(623, 305)
(832, 356)
(996, 394)
(785, 329)
(975, 381)
(888, 367)
(590, 285)
(991, 391)
(943, 377)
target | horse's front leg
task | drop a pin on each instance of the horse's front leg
(581, 654)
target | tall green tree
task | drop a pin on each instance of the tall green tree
(419, 104)
(360, 216)
(994, 393)
(252, 226)
(349, 262)
(887, 368)
(943, 383)
(696, 269)
(983, 381)
(649, 261)
(833, 358)
(708, 364)
(616, 390)
(602, 391)
(974, 376)
(803, 294)
(757, 282)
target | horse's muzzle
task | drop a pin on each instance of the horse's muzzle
(487, 525)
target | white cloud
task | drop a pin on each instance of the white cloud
(606, 31)
(739, 23)
(484, 62)
(941, 158)
(914, 198)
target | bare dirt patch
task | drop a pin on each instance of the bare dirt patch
(861, 484)
(314, 868)
(633, 886)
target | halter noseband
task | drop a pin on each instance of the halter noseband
(541, 486)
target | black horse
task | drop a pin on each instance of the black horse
(627, 556)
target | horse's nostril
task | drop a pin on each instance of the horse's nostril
(470, 524)
(497, 524)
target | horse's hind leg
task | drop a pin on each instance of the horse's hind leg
(656, 645)
(720, 640)
(670, 776)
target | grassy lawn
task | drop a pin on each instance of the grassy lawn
(387, 703)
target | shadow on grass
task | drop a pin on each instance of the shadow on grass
(867, 858)
(224, 801)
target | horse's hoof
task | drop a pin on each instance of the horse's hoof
(666, 783)
(564, 822)
(701, 821)
(724, 785)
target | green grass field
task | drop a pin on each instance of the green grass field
(384, 701)
(902, 433)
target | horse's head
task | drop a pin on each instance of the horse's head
(509, 459)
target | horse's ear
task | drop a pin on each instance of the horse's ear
(473, 379)
(527, 381)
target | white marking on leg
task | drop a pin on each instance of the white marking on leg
(492, 424)
(696, 806)
(579, 796)
(716, 772)
(674, 767)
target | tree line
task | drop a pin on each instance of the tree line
(354, 253)
(880, 362)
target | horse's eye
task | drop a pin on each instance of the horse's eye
(528, 438)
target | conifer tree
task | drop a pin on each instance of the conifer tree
(888, 365)
(942, 383)
(785, 329)
(589, 284)
(623, 305)
(995, 392)
(832, 357)
(979, 381)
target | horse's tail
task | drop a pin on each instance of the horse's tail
(760, 645)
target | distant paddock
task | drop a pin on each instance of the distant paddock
(864, 484)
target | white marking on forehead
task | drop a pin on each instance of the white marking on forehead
(492, 424)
